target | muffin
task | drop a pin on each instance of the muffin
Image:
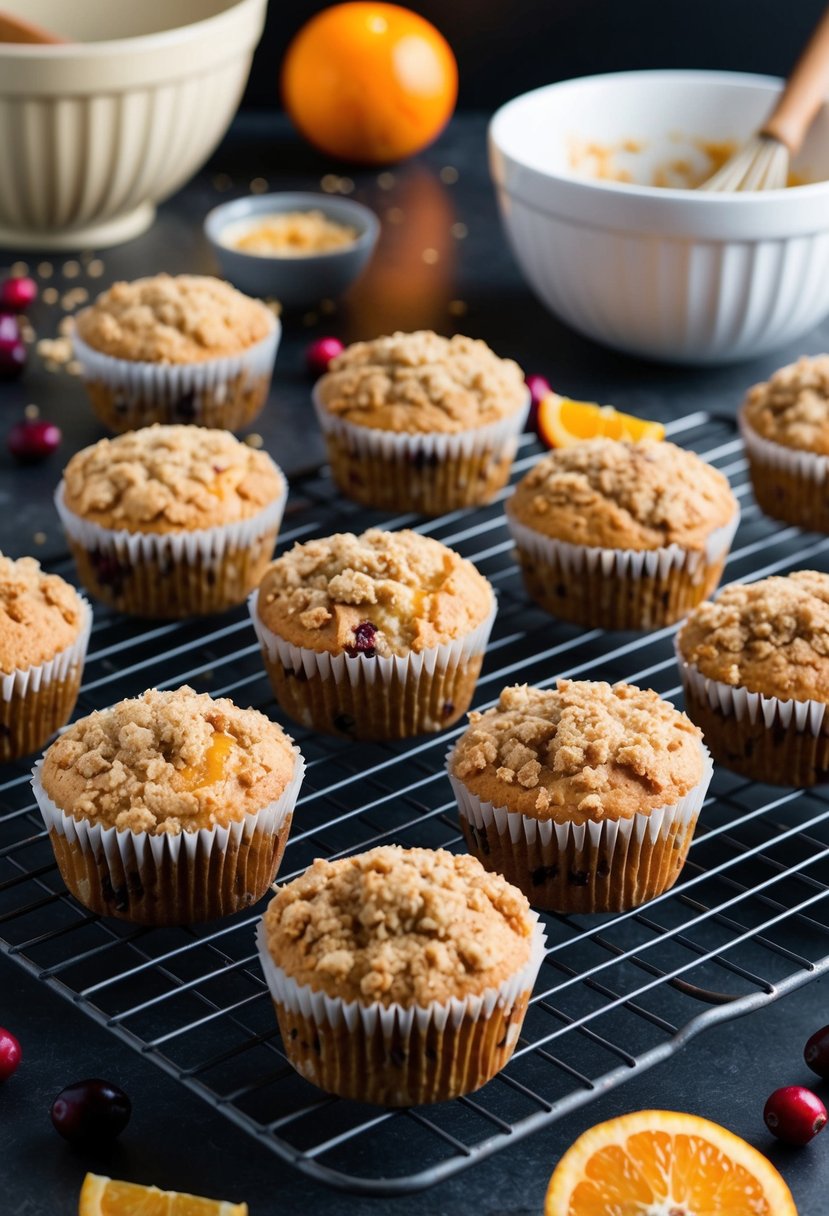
(378, 636)
(44, 632)
(785, 427)
(417, 422)
(170, 808)
(400, 976)
(171, 521)
(585, 796)
(618, 535)
(184, 348)
(755, 667)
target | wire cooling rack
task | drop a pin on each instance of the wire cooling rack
(748, 921)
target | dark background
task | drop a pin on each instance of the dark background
(505, 47)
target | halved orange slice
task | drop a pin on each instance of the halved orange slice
(107, 1197)
(563, 422)
(662, 1161)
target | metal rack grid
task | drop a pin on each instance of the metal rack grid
(748, 921)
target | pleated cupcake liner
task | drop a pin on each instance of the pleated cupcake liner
(374, 698)
(605, 588)
(174, 574)
(780, 742)
(166, 879)
(788, 484)
(228, 392)
(36, 701)
(400, 1055)
(430, 474)
(610, 865)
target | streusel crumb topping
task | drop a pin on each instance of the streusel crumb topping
(792, 407)
(621, 495)
(168, 762)
(421, 383)
(40, 614)
(185, 318)
(170, 479)
(770, 637)
(384, 593)
(581, 751)
(399, 925)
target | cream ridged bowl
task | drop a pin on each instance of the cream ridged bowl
(97, 130)
(671, 274)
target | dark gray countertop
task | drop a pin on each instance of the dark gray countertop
(174, 1139)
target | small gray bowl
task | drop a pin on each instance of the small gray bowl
(296, 282)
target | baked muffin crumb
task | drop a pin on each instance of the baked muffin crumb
(40, 614)
(792, 407)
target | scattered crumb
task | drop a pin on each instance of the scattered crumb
(449, 175)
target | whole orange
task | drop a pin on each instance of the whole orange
(369, 82)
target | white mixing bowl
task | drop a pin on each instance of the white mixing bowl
(95, 131)
(673, 274)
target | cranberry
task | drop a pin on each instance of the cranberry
(539, 388)
(13, 352)
(320, 353)
(92, 1111)
(365, 637)
(10, 1054)
(816, 1053)
(33, 440)
(794, 1114)
(18, 293)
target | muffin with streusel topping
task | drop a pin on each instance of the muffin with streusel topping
(377, 636)
(785, 427)
(44, 631)
(400, 976)
(585, 796)
(169, 808)
(171, 521)
(620, 535)
(755, 667)
(418, 422)
(176, 349)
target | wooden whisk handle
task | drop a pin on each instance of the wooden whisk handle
(805, 91)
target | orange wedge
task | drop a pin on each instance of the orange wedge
(661, 1161)
(106, 1197)
(563, 422)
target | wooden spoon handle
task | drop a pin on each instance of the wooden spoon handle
(805, 91)
(17, 29)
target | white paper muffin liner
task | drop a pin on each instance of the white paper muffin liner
(125, 851)
(25, 680)
(625, 563)
(146, 389)
(809, 465)
(335, 1012)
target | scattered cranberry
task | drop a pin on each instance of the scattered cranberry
(539, 388)
(10, 1054)
(794, 1114)
(18, 293)
(816, 1053)
(320, 353)
(365, 637)
(13, 352)
(33, 440)
(90, 1112)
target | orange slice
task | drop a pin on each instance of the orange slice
(106, 1197)
(659, 1161)
(563, 422)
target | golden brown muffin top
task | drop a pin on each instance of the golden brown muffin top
(770, 637)
(170, 479)
(582, 751)
(422, 383)
(399, 925)
(792, 407)
(168, 762)
(618, 495)
(384, 593)
(40, 614)
(183, 318)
